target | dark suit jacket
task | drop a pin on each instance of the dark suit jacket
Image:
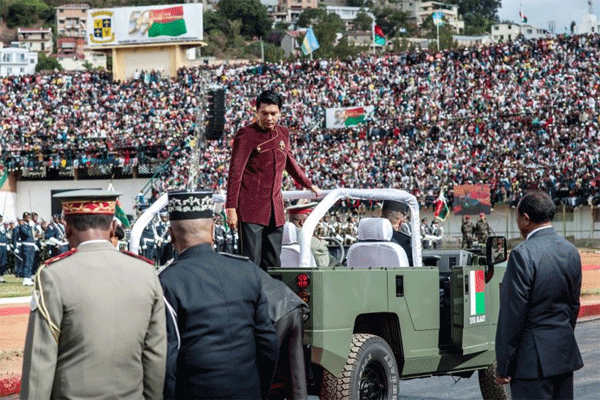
(406, 242)
(539, 303)
(228, 344)
(258, 159)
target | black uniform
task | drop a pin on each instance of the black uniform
(406, 242)
(221, 341)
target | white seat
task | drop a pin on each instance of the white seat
(374, 248)
(290, 248)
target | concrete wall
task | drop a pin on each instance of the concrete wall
(578, 226)
(166, 58)
(35, 195)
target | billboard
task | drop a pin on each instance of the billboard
(347, 116)
(472, 199)
(141, 25)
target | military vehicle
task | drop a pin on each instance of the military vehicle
(376, 321)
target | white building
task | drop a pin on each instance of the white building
(347, 14)
(426, 9)
(36, 39)
(17, 61)
(589, 24)
(472, 41)
(510, 32)
(78, 62)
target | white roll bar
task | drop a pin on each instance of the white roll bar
(330, 198)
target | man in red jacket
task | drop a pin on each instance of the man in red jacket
(261, 152)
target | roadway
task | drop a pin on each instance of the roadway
(587, 379)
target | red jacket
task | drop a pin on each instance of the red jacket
(255, 176)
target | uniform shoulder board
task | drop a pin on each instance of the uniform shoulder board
(61, 256)
(236, 256)
(168, 264)
(129, 253)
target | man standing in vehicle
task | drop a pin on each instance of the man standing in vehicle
(261, 152)
(536, 348)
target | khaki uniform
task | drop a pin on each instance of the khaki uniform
(96, 328)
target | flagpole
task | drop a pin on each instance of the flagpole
(521, 17)
(373, 35)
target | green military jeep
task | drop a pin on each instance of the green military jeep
(376, 320)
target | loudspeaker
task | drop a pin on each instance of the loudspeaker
(216, 114)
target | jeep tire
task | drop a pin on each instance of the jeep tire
(490, 389)
(370, 372)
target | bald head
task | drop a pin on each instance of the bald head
(187, 233)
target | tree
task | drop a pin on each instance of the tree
(478, 15)
(326, 31)
(46, 63)
(213, 20)
(311, 16)
(362, 21)
(254, 17)
(430, 31)
(486, 8)
(391, 21)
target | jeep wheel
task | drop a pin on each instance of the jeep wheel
(370, 372)
(490, 389)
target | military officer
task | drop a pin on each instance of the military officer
(286, 309)
(97, 321)
(222, 343)
(38, 234)
(165, 249)
(297, 215)
(482, 229)
(468, 229)
(3, 250)
(261, 152)
(436, 232)
(27, 247)
(148, 241)
(55, 237)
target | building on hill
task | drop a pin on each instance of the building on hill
(71, 20)
(78, 62)
(70, 45)
(290, 10)
(472, 41)
(425, 9)
(510, 32)
(360, 38)
(347, 14)
(291, 41)
(36, 39)
(17, 60)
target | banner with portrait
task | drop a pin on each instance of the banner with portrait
(472, 199)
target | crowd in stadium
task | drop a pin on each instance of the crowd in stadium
(516, 116)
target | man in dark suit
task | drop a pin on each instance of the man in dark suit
(394, 211)
(261, 152)
(539, 302)
(221, 342)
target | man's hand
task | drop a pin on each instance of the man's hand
(232, 218)
(502, 380)
(316, 190)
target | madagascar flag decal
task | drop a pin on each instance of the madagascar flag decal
(167, 22)
(477, 285)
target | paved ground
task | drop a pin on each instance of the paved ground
(586, 380)
(14, 316)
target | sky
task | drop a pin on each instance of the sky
(540, 12)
